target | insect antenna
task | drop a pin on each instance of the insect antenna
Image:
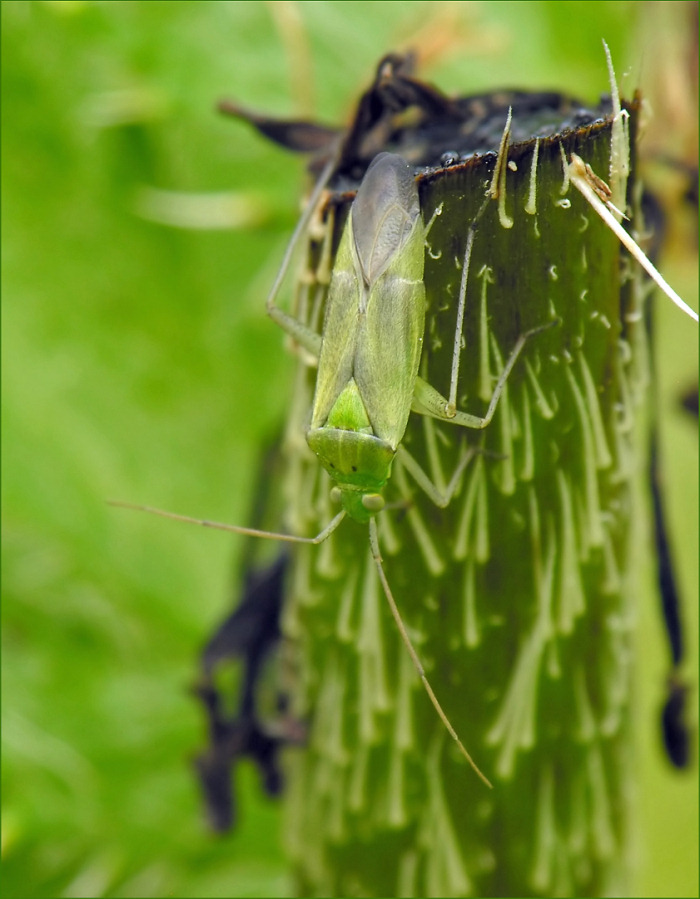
(374, 546)
(233, 528)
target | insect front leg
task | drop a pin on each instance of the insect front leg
(433, 484)
(441, 498)
(302, 333)
(311, 289)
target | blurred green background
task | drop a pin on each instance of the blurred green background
(141, 232)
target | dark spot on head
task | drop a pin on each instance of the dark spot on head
(354, 467)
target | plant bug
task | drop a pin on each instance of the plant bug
(368, 359)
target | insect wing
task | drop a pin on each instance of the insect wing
(336, 362)
(375, 314)
(391, 338)
(384, 215)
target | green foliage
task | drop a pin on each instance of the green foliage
(132, 369)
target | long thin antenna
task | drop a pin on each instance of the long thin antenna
(232, 528)
(374, 546)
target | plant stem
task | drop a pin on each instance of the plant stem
(518, 596)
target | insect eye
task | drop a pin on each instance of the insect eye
(373, 502)
(336, 494)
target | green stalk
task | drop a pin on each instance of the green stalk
(518, 596)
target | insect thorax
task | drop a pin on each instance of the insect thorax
(358, 463)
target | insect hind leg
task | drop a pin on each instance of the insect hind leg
(429, 401)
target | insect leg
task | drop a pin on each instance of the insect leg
(310, 340)
(374, 546)
(495, 193)
(304, 335)
(441, 498)
(429, 401)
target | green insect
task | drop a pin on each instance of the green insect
(368, 358)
